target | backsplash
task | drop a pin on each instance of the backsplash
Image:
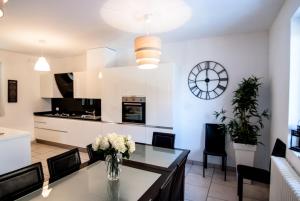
(78, 106)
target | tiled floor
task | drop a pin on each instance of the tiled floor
(214, 188)
(211, 188)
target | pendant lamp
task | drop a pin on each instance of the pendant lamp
(147, 51)
(42, 64)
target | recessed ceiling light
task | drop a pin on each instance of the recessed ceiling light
(129, 15)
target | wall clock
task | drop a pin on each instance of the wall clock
(208, 80)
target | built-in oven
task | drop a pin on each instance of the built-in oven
(134, 109)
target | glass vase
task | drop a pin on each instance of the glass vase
(113, 166)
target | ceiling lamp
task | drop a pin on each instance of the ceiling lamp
(147, 51)
(2, 2)
(41, 64)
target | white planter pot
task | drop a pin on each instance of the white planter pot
(244, 154)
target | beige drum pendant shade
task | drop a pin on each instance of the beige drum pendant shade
(147, 51)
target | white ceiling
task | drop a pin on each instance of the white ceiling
(70, 27)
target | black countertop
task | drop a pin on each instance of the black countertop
(98, 119)
(67, 116)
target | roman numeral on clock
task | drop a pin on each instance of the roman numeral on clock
(221, 87)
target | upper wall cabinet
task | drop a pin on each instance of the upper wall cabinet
(48, 86)
(87, 85)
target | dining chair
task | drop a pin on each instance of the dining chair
(63, 164)
(257, 174)
(177, 188)
(94, 155)
(215, 145)
(165, 140)
(18, 183)
(165, 189)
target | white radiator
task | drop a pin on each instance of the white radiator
(285, 182)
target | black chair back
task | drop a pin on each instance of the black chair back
(177, 189)
(214, 138)
(94, 155)
(18, 183)
(165, 140)
(64, 164)
(279, 149)
(165, 190)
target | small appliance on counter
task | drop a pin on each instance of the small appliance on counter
(134, 109)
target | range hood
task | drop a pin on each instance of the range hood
(64, 83)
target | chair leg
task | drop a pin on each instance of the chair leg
(224, 166)
(203, 174)
(205, 160)
(240, 187)
(223, 160)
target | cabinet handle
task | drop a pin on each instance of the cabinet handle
(48, 129)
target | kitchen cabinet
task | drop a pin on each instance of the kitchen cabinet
(111, 128)
(67, 131)
(48, 87)
(87, 85)
(137, 132)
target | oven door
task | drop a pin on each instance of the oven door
(133, 112)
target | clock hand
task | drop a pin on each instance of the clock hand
(209, 80)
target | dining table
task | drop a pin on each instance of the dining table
(141, 178)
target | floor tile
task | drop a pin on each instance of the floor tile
(195, 193)
(213, 199)
(230, 180)
(198, 180)
(224, 192)
(197, 169)
(256, 192)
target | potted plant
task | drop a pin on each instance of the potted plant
(247, 121)
(114, 147)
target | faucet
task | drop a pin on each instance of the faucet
(91, 113)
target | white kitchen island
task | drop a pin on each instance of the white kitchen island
(15, 149)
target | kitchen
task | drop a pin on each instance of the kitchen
(116, 83)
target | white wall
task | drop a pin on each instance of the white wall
(279, 59)
(68, 64)
(242, 55)
(20, 67)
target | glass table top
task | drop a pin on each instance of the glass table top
(91, 183)
(157, 156)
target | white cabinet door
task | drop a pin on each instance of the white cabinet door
(79, 84)
(52, 135)
(159, 100)
(83, 132)
(150, 130)
(111, 128)
(111, 100)
(138, 133)
(87, 85)
(48, 87)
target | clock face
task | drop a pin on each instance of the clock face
(208, 80)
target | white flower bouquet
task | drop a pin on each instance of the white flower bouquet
(113, 143)
(114, 147)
